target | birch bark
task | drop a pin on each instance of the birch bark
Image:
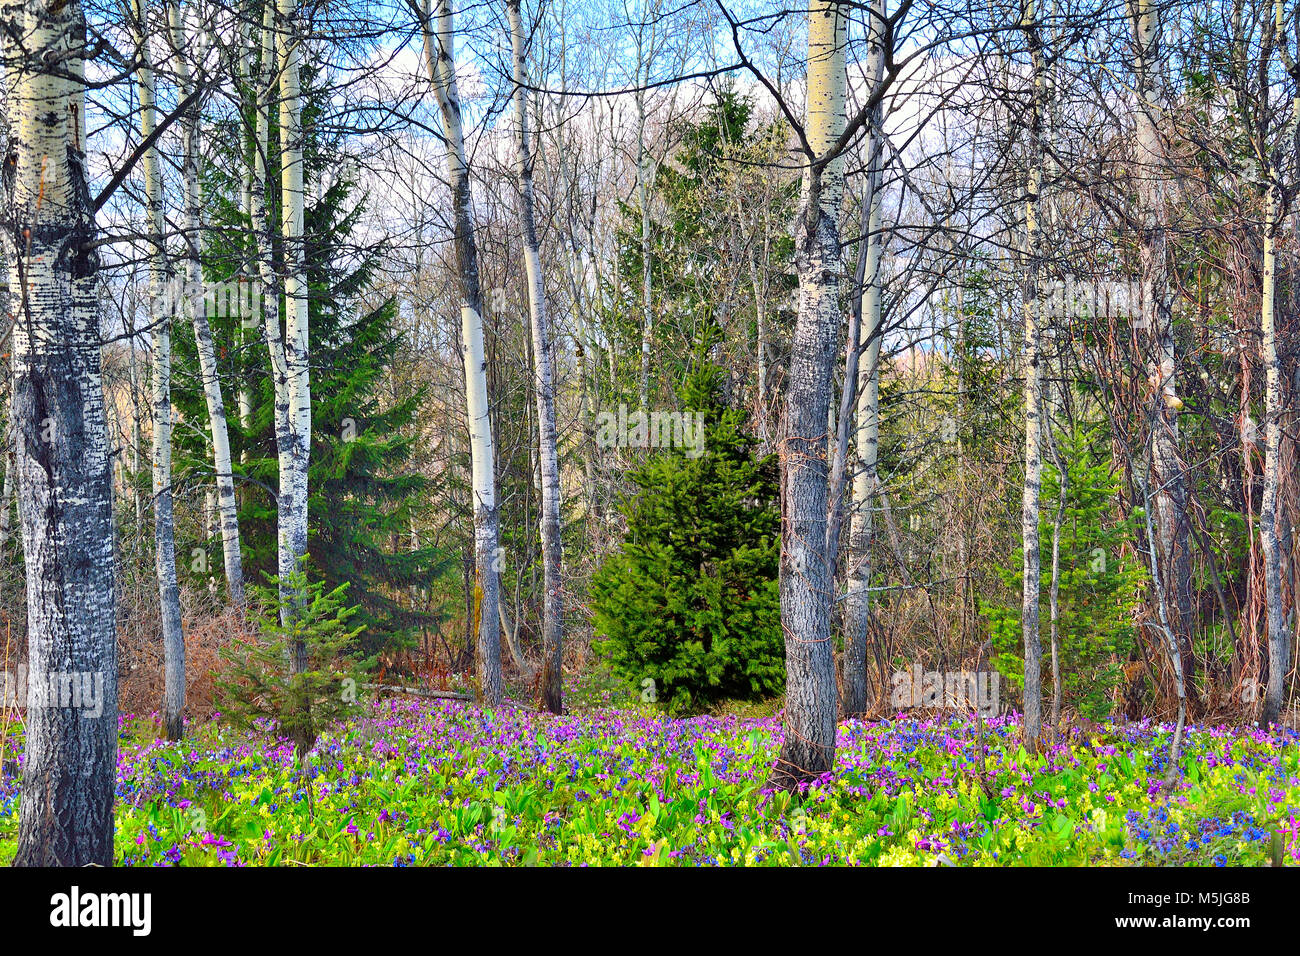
(1280, 635)
(857, 609)
(295, 431)
(643, 198)
(543, 387)
(187, 48)
(265, 85)
(439, 61)
(161, 307)
(61, 444)
(1032, 360)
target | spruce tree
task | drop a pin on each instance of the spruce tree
(259, 685)
(690, 601)
(1100, 585)
(361, 497)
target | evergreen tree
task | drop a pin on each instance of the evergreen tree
(690, 600)
(1100, 586)
(361, 501)
(260, 684)
(692, 237)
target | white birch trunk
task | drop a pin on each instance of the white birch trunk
(1032, 362)
(195, 303)
(867, 418)
(441, 67)
(247, 77)
(263, 88)
(543, 387)
(295, 449)
(160, 315)
(643, 198)
(1054, 598)
(644, 175)
(137, 430)
(1279, 634)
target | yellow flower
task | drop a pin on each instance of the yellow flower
(897, 856)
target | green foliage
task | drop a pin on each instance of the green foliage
(690, 600)
(983, 409)
(585, 789)
(696, 236)
(363, 497)
(1100, 588)
(309, 623)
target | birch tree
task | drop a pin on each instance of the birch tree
(189, 45)
(437, 30)
(866, 303)
(1032, 363)
(249, 94)
(161, 302)
(61, 443)
(289, 355)
(263, 82)
(544, 384)
(645, 170)
(1279, 634)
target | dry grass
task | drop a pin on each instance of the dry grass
(208, 628)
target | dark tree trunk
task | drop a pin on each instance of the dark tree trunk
(807, 578)
(64, 468)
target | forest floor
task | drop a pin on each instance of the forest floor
(416, 781)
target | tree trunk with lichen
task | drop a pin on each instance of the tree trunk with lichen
(1279, 634)
(543, 387)
(806, 579)
(857, 604)
(62, 455)
(293, 399)
(195, 304)
(162, 301)
(1031, 570)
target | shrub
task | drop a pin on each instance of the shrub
(262, 685)
(688, 608)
